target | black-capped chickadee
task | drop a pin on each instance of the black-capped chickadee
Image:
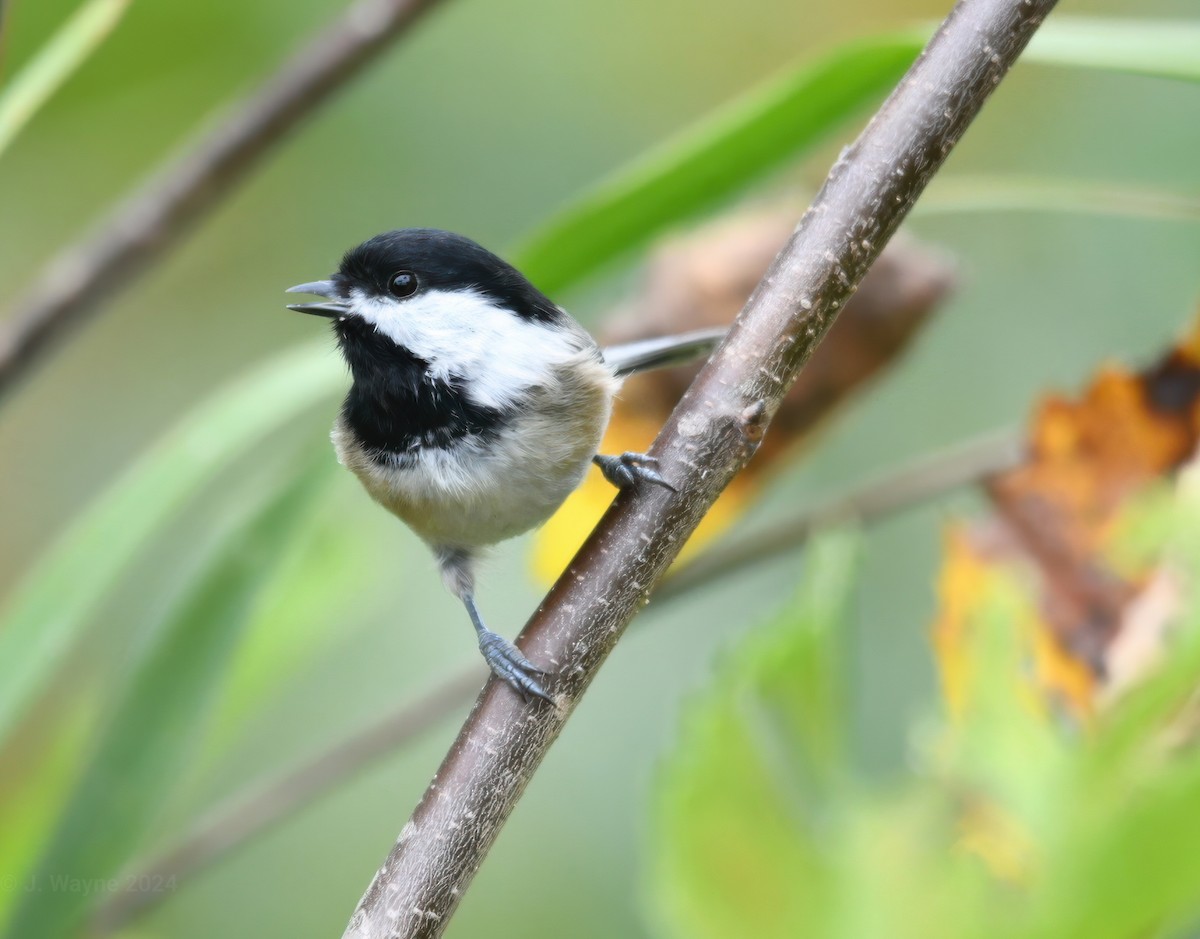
(477, 404)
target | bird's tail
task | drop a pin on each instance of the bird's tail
(662, 351)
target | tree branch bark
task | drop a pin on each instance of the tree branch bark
(152, 219)
(709, 437)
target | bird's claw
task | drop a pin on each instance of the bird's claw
(507, 662)
(628, 469)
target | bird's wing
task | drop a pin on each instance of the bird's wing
(646, 354)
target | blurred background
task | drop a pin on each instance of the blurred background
(484, 120)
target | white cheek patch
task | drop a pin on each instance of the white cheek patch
(464, 334)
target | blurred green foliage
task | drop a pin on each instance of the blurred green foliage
(1007, 823)
(40, 620)
(131, 528)
(146, 744)
(25, 94)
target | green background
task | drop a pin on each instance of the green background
(484, 121)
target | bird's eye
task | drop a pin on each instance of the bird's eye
(403, 284)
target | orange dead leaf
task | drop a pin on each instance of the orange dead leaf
(1056, 518)
(702, 280)
(972, 563)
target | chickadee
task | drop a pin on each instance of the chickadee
(477, 404)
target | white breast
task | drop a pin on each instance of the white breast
(549, 378)
(464, 334)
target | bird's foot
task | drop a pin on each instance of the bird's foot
(507, 662)
(629, 469)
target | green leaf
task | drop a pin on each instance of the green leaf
(53, 602)
(954, 194)
(55, 61)
(326, 563)
(1128, 863)
(158, 720)
(1003, 752)
(784, 119)
(1130, 811)
(1156, 48)
(718, 156)
(759, 768)
(1153, 48)
(33, 797)
(1159, 530)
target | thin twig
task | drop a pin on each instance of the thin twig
(926, 477)
(709, 437)
(153, 218)
(265, 804)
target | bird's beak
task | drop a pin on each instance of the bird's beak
(334, 308)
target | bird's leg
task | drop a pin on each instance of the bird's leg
(502, 657)
(628, 469)
(505, 659)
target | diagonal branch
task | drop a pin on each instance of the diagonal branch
(152, 219)
(709, 437)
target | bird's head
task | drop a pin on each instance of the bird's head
(440, 299)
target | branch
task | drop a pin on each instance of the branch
(269, 802)
(152, 219)
(709, 437)
(923, 479)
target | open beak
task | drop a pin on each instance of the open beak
(333, 308)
